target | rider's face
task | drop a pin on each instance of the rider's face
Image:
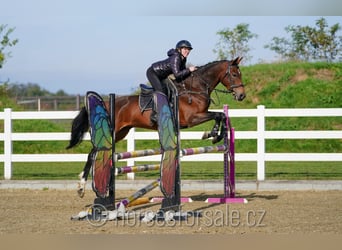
(185, 51)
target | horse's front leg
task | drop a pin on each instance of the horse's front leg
(213, 133)
(221, 119)
(200, 118)
(84, 174)
(216, 133)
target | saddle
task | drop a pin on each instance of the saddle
(146, 101)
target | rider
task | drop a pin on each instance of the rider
(175, 64)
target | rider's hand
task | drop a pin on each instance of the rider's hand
(192, 68)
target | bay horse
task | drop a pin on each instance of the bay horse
(194, 100)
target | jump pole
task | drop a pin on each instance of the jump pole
(125, 202)
(138, 168)
(143, 168)
(185, 151)
(228, 167)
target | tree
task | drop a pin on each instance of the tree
(5, 42)
(307, 43)
(26, 90)
(61, 93)
(234, 42)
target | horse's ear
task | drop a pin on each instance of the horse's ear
(237, 60)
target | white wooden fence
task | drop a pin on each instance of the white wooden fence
(8, 136)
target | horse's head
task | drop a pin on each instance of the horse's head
(231, 79)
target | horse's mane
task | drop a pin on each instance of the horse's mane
(201, 71)
(209, 64)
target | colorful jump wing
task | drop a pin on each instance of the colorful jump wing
(168, 143)
(102, 167)
(99, 121)
(100, 133)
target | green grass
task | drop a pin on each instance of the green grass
(45, 171)
(283, 85)
(190, 171)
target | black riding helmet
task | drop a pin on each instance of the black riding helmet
(183, 44)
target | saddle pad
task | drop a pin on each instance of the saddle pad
(145, 102)
(145, 97)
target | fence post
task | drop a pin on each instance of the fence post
(261, 143)
(78, 102)
(8, 144)
(130, 147)
(38, 103)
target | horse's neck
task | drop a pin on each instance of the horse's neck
(201, 81)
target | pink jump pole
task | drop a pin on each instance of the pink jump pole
(228, 167)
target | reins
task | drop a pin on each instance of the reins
(185, 91)
(189, 92)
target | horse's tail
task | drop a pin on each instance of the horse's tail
(80, 125)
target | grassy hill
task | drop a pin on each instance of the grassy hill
(292, 85)
(281, 85)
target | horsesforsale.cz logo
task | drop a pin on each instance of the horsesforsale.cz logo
(97, 216)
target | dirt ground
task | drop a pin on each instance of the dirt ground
(276, 212)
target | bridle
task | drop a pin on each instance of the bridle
(229, 77)
(230, 90)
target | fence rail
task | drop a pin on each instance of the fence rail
(261, 135)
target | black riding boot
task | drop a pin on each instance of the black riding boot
(154, 118)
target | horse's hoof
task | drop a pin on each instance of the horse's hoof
(81, 192)
(215, 140)
(205, 135)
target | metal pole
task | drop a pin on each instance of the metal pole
(112, 120)
(232, 163)
(226, 185)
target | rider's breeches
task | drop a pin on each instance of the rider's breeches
(154, 80)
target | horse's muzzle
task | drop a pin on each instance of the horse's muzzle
(240, 97)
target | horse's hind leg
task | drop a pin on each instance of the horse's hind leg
(84, 174)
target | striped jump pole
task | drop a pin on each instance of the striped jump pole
(120, 207)
(143, 168)
(137, 153)
(151, 167)
(138, 168)
(186, 151)
(203, 150)
(125, 202)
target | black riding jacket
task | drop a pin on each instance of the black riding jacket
(174, 64)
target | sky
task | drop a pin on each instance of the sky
(106, 46)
